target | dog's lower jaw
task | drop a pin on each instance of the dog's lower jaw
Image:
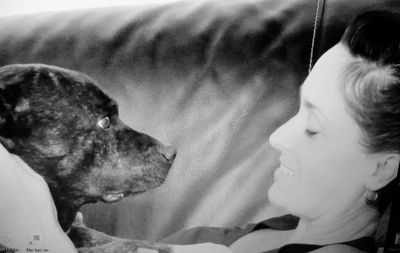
(68, 205)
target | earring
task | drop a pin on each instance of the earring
(371, 197)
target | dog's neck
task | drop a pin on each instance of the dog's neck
(67, 206)
(66, 212)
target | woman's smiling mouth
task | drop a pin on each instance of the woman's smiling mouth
(286, 171)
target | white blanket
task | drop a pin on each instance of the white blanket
(28, 218)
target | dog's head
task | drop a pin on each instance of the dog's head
(66, 129)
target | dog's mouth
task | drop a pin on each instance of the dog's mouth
(114, 193)
(112, 196)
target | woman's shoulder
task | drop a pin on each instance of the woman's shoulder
(227, 236)
(261, 240)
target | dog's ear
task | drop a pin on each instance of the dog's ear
(7, 120)
(15, 84)
(11, 105)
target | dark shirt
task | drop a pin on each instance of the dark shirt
(226, 236)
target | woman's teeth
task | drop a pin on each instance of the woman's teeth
(287, 171)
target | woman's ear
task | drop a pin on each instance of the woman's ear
(386, 171)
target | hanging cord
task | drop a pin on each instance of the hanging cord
(317, 21)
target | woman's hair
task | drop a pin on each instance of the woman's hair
(372, 82)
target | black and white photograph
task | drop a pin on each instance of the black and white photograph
(199, 126)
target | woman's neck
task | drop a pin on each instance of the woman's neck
(336, 227)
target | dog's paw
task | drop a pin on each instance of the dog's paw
(88, 240)
(127, 246)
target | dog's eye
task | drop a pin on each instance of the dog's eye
(104, 123)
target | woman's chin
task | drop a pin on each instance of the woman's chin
(289, 201)
(276, 196)
(281, 199)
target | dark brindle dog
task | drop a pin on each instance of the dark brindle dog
(66, 129)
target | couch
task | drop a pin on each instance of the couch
(211, 78)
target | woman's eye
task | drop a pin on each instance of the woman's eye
(310, 132)
(104, 123)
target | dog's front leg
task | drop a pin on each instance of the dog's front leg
(88, 240)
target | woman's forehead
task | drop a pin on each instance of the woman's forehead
(322, 88)
(328, 72)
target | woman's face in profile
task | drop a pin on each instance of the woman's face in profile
(323, 167)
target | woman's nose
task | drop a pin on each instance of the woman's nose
(283, 137)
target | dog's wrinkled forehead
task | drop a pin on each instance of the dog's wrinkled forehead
(50, 83)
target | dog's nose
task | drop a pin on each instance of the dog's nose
(168, 153)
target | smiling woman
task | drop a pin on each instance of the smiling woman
(340, 153)
(327, 157)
